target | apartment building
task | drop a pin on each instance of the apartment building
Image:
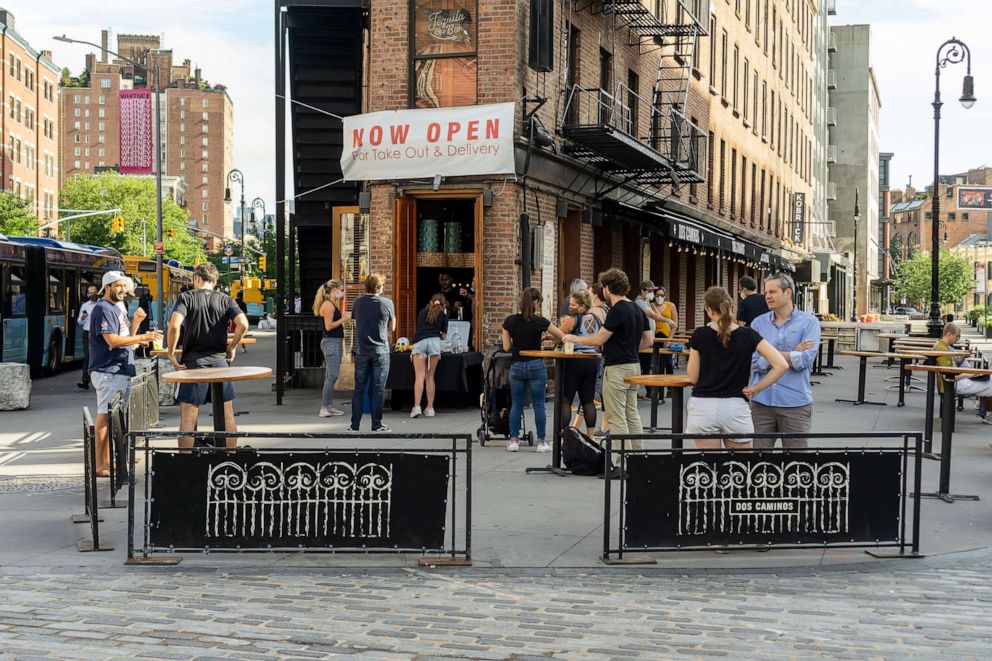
(197, 125)
(29, 125)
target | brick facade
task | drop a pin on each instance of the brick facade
(782, 155)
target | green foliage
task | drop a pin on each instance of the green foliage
(135, 196)
(976, 313)
(954, 278)
(895, 251)
(17, 217)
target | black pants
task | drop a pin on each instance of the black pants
(580, 377)
(86, 358)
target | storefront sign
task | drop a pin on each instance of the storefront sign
(417, 144)
(548, 271)
(448, 25)
(980, 280)
(737, 247)
(684, 232)
(788, 498)
(798, 218)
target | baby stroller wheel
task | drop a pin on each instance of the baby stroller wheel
(530, 438)
(481, 436)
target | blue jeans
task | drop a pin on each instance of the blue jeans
(374, 368)
(524, 374)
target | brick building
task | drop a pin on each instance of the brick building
(673, 139)
(29, 124)
(965, 210)
(197, 125)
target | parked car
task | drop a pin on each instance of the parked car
(906, 309)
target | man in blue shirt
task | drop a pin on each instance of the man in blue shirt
(786, 406)
(111, 358)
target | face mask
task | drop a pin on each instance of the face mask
(339, 295)
(649, 297)
(661, 299)
(94, 298)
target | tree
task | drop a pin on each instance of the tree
(895, 252)
(16, 216)
(135, 196)
(953, 276)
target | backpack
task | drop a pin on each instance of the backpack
(581, 454)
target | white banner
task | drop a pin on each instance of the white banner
(417, 144)
(980, 277)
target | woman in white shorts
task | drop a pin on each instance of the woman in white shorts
(432, 327)
(719, 368)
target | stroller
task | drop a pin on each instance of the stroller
(495, 403)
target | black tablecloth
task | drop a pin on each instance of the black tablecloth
(458, 380)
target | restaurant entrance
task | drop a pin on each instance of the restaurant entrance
(438, 233)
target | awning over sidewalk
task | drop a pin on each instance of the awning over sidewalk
(684, 229)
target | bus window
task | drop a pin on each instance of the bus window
(55, 289)
(86, 279)
(15, 300)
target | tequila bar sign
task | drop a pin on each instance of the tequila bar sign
(448, 25)
(413, 144)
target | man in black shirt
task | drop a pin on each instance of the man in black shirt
(456, 301)
(752, 303)
(204, 315)
(624, 333)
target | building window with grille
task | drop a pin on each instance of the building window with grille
(105, 84)
(712, 54)
(444, 70)
(709, 172)
(737, 60)
(723, 65)
(723, 170)
(733, 183)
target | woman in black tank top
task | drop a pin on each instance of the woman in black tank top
(326, 305)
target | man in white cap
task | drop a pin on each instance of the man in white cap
(111, 359)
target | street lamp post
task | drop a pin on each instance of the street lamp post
(951, 51)
(857, 220)
(236, 176)
(259, 203)
(159, 288)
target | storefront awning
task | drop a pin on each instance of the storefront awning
(682, 228)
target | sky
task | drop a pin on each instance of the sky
(231, 41)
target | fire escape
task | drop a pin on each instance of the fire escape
(643, 141)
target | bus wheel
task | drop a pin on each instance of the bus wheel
(54, 354)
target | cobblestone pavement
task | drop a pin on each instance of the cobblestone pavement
(907, 609)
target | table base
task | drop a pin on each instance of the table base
(859, 402)
(560, 472)
(889, 555)
(948, 497)
(630, 560)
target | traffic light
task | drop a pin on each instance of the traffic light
(261, 263)
(117, 224)
(170, 232)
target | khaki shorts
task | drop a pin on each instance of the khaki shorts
(107, 387)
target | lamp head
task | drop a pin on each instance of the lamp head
(968, 92)
(227, 194)
(64, 39)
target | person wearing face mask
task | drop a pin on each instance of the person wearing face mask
(665, 326)
(327, 305)
(643, 301)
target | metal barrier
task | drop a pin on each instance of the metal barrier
(91, 501)
(306, 359)
(302, 500)
(686, 499)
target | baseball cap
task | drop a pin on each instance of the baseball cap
(109, 278)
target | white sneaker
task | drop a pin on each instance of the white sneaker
(513, 445)
(324, 413)
(416, 412)
(430, 413)
(335, 412)
(543, 446)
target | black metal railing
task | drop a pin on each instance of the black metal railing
(296, 500)
(675, 499)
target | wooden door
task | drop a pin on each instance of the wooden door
(570, 252)
(405, 288)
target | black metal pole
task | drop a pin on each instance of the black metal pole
(934, 325)
(159, 287)
(280, 205)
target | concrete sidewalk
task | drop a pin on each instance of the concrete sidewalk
(519, 520)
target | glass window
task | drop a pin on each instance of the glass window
(445, 68)
(56, 279)
(105, 83)
(16, 297)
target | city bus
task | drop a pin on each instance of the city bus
(43, 282)
(176, 278)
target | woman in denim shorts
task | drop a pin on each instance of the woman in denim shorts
(432, 327)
